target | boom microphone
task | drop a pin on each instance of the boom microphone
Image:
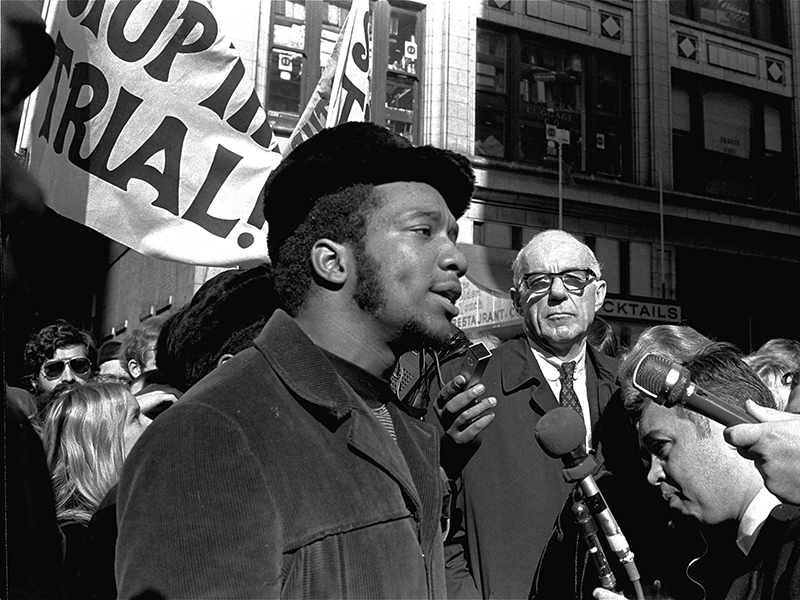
(670, 384)
(561, 434)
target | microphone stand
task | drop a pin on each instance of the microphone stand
(580, 473)
(589, 530)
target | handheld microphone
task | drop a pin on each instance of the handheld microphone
(561, 433)
(670, 384)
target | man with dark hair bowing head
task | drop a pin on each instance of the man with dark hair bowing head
(701, 476)
(289, 471)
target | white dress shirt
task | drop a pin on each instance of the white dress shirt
(551, 369)
(754, 518)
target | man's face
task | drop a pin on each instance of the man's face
(698, 476)
(116, 368)
(557, 320)
(408, 270)
(46, 378)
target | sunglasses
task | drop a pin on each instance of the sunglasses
(53, 369)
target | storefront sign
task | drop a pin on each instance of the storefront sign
(620, 308)
(480, 307)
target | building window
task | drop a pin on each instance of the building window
(402, 73)
(287, 59)
(760, 19)
(526, 86)
(492, 95)
(303, 35)
(738, 136)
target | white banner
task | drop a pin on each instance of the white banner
(343, 91)
(148, 130)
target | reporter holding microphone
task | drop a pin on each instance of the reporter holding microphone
(702, 476)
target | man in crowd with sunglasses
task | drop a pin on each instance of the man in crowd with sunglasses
(511, 491)
(59, 353)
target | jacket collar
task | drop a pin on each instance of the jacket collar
(296, 360)
(301, 365)
(519, 367)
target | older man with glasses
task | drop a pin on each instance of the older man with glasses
(512, 492)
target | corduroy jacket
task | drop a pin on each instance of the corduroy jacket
(272, 479)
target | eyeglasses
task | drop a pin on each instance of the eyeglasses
(53, 369)
(574, 280)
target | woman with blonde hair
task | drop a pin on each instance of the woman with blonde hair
(88, 432)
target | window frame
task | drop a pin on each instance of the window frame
(769, 26)
(312, 67)
(381, 25)
(692, 147)
(514, 106)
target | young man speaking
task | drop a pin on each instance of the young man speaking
(289, 471)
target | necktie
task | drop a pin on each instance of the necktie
(568, 396)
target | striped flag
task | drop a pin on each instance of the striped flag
(343, 92)
(148, 130)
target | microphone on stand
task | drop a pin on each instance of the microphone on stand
(589, 530)
(561, 433)
(670, 384)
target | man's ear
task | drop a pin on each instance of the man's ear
(134, 368)
(223, 359)
(599, 295)
(516, 299)
(331, 261)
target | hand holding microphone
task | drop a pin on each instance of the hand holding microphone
(774, 446)
(670, 384)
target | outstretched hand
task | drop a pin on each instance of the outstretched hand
(774, 445)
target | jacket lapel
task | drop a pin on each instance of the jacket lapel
(420, 447)
(520, 370)
(332, 400)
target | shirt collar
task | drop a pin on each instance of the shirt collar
(551, 365)
(753, 519)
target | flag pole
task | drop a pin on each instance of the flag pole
(661, 231)
(560, 189)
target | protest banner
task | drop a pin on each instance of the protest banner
(343, 91)
(148, 130)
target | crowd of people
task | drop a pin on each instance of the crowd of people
(255, 442)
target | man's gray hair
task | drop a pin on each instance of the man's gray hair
(518, 269)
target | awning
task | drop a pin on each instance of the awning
(485, 302)
(489, 268)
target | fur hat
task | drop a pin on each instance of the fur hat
(223, 317)
(357, 153)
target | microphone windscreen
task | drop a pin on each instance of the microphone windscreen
(560, 431)
(650, 374)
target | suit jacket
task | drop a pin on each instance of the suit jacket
(271, 478)
(774, 560)
(510, 491)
